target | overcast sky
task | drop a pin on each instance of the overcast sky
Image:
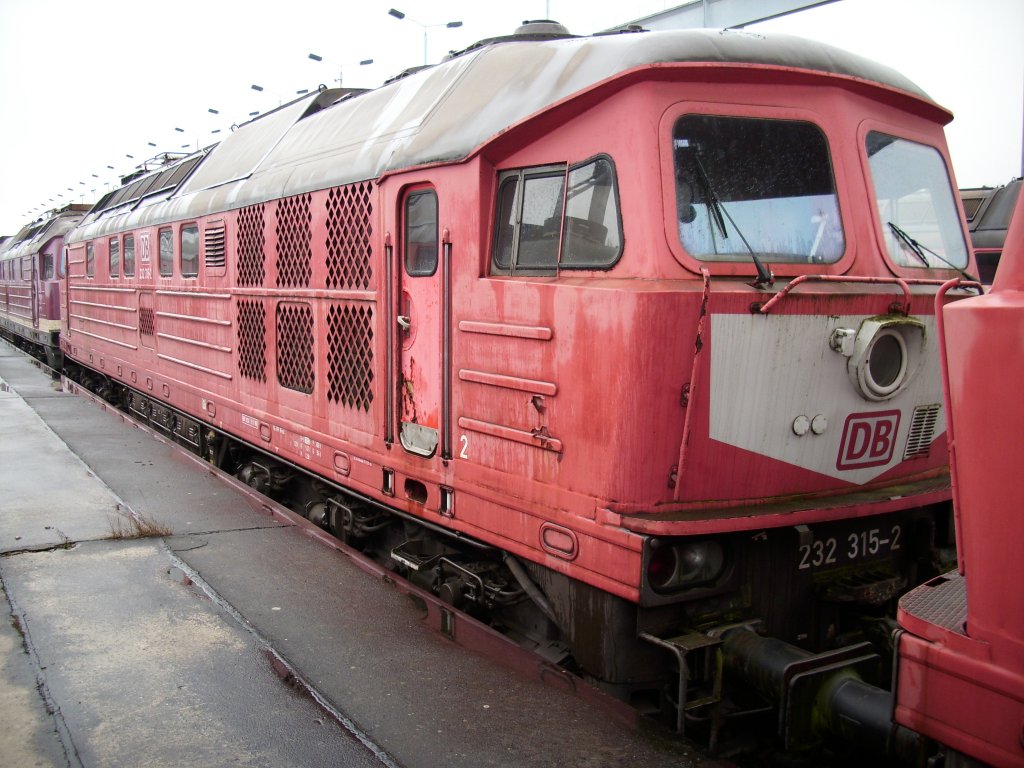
(84, 84)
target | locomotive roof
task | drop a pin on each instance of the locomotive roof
(446, 112)
(35, 236)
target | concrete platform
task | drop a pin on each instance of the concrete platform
(235, 637)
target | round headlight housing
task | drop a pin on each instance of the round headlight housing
(886, 362)
(883, 356)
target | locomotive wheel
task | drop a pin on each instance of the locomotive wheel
(254, 477)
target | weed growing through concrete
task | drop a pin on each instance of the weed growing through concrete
(136, 526)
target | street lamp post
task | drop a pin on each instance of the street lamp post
(425, 27)
(261, 89)
(341, 69)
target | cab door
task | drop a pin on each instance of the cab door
(419, 324)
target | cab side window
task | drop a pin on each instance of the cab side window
(166, 252)
(553, 218)
(90, 260)
(190, 250)
(115, 257)
(129, 256)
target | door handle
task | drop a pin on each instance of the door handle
(403, 322)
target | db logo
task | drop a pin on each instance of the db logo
(868, 439)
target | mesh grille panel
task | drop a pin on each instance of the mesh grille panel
(350, 355)
(295, 364)
(250, 258)
(252, 344)
(147, 321)
(294, 236)
(349, 250)
(922, 430)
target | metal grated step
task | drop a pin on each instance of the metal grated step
(941, 601)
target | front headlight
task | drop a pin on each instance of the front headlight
(674, 566)
(884, 354)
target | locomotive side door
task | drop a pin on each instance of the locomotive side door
(419, 323)
(35, 292)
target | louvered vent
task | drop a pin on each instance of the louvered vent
(252, 345)
(294, 238)
(249, 256)
(295, 365)
(349, 249)
(215, 241)
(922, 431)
(350, 355)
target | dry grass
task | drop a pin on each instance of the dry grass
(136, 526)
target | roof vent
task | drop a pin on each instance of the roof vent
(541, 27)
(537, 30)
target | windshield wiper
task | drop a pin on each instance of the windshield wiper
(713, 203)
(910, 242)
(718, 211)
(919, 251)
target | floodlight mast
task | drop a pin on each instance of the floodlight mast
(425, 27)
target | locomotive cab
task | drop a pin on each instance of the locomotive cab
(740, 368)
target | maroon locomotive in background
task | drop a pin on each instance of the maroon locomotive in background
(31, 269)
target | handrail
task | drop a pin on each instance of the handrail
(903, 283)
(695, 370)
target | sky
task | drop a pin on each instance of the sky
(83, 85)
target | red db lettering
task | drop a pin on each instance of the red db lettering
(881, 441)
(860, 439)
(869, 440)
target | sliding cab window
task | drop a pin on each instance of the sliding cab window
(916, 207)
(47, 266)
(129, 255)
(166, 252)
(115, 258)
(90, 260)
(190, 250)
(755, 187)
(554, 218)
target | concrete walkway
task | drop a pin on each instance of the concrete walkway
(184, 649)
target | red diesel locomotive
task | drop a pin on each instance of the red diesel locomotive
(31, 268)
(625, 342)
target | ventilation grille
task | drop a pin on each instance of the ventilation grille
(350, 355)
(922, 431)
(295, 346)
(215, 244)
(147, 321)
(349, 251)
(294, 237)
(250, 257)
(252, 345)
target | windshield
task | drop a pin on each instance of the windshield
(758, 187)
(915, 204)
